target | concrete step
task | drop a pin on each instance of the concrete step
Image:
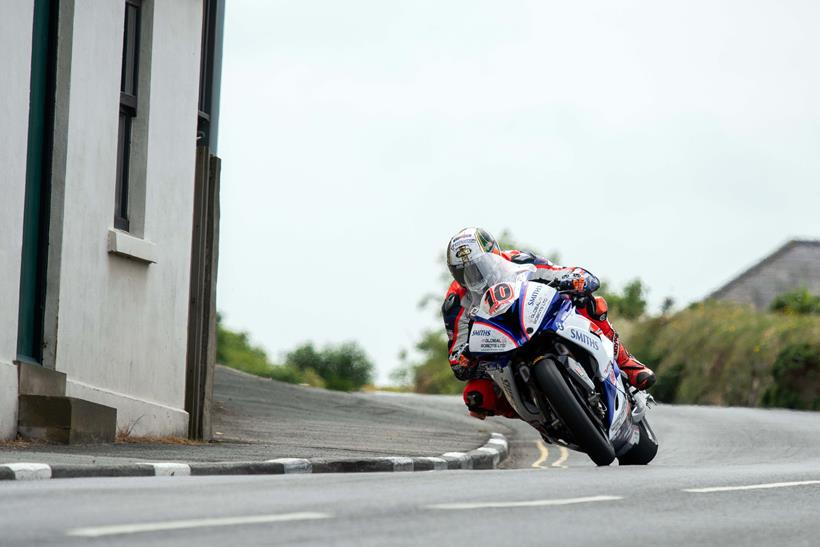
(65, 420)
(38, 380)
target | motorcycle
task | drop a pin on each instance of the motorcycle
(558, 372)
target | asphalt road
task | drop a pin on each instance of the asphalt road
(765, 465)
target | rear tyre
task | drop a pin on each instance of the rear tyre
(646, 449)
(569, 409)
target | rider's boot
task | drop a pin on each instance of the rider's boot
(639, 375)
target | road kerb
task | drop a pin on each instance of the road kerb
(488, 456)
(171, 469)
(429, 463)
(294, 465)
(28, 471)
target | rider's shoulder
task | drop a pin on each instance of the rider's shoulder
(523, 257)
(456, 289)
(453, 298)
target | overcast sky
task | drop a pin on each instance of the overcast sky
(672, 141)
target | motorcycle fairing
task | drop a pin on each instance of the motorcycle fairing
(504, 378)
(507, 327)
(489, 337)
(535, 301)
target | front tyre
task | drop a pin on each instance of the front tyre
(569, 410)
(643, 452)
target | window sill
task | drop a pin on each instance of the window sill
(123, 244)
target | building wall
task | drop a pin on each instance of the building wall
(15, 67)
(120, 328)
(795, 266)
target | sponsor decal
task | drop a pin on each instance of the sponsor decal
(493, 344)
(537, 311)
(507, 389)
(533, 308)
(579, 370)
(535, 292)
(463, 253)
(584, 338)
(484, 338)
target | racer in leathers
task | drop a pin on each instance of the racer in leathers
(476, 263)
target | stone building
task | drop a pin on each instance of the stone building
(108, 207)
(793, 266)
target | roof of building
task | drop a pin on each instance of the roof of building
(782, 250)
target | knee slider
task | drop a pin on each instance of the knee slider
(479, 395)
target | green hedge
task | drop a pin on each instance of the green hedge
(344, 367)
(718, 353)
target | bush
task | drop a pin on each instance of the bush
(799, 302)
(796, 375)
(719, 353)
(343, 368)
(234, 349)
(669, 378)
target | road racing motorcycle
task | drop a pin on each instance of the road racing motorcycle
(558, 372)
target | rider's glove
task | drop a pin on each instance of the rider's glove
(465, 369)
(570, 283)
(577, 283)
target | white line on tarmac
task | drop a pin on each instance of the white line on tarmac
(122, 529)
(533, 503)
(749, 487)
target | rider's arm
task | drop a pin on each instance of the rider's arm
(457, 323)
(564, 278)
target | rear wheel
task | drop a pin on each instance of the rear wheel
(643, 452)
(571, 412)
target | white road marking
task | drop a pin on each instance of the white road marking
(561, 459)
(533, 503)
(749, 487)
(543, 452)
(122, 529)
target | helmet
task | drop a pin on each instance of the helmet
(475, 260)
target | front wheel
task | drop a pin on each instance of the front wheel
(569, 410)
